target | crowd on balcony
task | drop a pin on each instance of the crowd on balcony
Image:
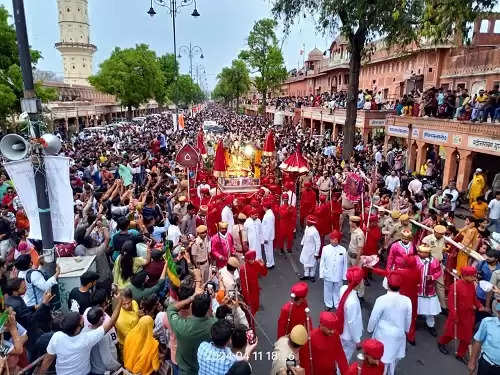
(434, 102)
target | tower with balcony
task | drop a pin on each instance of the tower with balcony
(75, 46)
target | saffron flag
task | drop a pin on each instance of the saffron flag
(171, 266)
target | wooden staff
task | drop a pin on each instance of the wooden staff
(470, 252)
(308, 322)
(292, 297)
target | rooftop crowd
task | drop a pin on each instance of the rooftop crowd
(133, 205)
(459, 104)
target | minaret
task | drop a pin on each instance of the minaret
(75, 46)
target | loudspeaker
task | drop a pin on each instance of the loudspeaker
(53, 144)
(14, 147)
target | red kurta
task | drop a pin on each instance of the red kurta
(327, 354)
(249, 275)
(297, 316)
(287, 217)
(373, 237)
(366, 369)
(463, 313)
(336, 208)
(307, 204)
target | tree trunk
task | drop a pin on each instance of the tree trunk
(264, 100)
(237, 104)
(129, 112)
(357, 42)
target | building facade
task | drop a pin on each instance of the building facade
(75, 47)
(395, 72)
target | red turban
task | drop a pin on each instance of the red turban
(394, 279)
(354, 275)
(336, 235)
(250, 255)
(322, 198)
(300, 289)
(373, 348)
(468, 271)
(307, 184)
(284, 196)
(329, 320)
(410, 261)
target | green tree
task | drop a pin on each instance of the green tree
(264, 55)
(399, 22)
(184, 91)
(232, 82)
(11, 81)
(133, 75)
(170, 71)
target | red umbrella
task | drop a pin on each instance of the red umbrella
(200, 143)
(295, 163)
(220, 161)
(269, 147)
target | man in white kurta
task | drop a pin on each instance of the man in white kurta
(390, 320)
(353, 323)
(332, 269)
(311, 245)
(227, 216)
(253, 226)
(268, 235)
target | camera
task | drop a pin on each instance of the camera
(290, 362)
(251, 337)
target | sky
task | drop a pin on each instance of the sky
(220, 31)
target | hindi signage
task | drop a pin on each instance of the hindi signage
(402, 131)
(485, 144)
(377, 122)
(435, 136)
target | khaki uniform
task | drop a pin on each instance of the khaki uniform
(281, 353)
(393, 232)
(437, 248)
(324, 185)
(355, 248)
(199, 252)
(239, 234)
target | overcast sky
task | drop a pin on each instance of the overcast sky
(220, 31)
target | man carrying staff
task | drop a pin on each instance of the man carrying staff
(200, 251)
(239, 234)
(355, 249)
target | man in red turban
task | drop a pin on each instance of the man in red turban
(322, 212)
(292, 313)
(307, 201)
(461, 313)
(373, 350)
(327, 351)
(287, 217)
(249, 279)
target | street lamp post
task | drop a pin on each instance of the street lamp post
(174, 7)
(191, 52)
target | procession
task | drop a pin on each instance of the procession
(311, 221)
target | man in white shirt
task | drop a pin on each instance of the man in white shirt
(452, 190)
(378, 156)
(268, 222)
(390, 321)
(253, 226)
(494, 212)
(227, 213)
(311, 244)
(72, 347)
(353, 320)
(415, 186)
(392, 182)
(332, 269)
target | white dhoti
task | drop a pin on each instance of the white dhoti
(258, 250)
(331, 293)
(349, 348)
(269, 251)
(390, 368)
(429, 307)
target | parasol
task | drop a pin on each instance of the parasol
(220, 161)
(269, 147)
(200, 143)
(295, 163)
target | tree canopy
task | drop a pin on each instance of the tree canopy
(232, 82)
(11, 80)
(265, 57)
(399, 22)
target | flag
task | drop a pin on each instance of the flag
(181, 121)
(171, 266)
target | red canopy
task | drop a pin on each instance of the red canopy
(200, 143)
(295, 163)
(269, 147)
(220, 161)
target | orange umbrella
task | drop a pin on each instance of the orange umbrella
(220, 161)
(269, 147)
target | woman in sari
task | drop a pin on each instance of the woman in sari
(470, 241)
(140, 352)
(476, 186)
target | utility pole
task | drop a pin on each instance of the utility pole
(33, 106)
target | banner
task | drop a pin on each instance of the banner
(60, 195)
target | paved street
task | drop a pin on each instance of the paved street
(424, 357)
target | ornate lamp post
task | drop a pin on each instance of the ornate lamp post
(191, 51)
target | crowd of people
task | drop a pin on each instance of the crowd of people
(175, 288)
(482, 106)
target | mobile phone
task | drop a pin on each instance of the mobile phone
(232, 294)
(290, 362)
(251, 336)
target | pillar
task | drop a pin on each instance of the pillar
(464, 169)
(87, 121)
(335, 132)
(450, 165)
(386, 144)
(321, 125)
(421, 155)
(66, 125)
(365, 132)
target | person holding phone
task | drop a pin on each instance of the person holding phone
(286, 352)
